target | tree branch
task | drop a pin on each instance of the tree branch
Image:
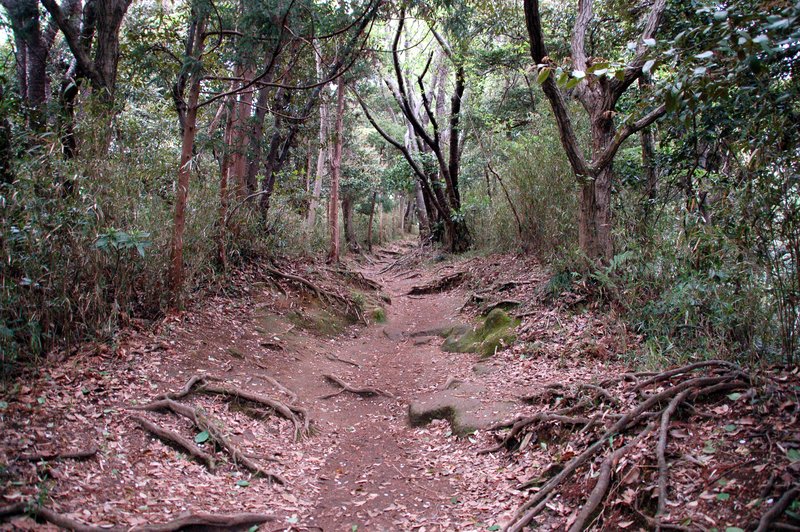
(611, 150)
(634, 69)
(565, 130)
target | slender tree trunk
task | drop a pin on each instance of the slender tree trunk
(321, 159)
(222, 219)
(349, 228)
(184, 174)
(371, 219)
(256, 134)
(336, 168)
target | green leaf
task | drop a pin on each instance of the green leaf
(493, 528)
(734, 529)
(202, 437)
(729, 428)
(721, 15)
(543, 75)
(723, 496)
(649, 42)
(242, 483)
(354, 528)
(41, 400)
(3, 405)
(793, 455)
(734, 396)
(579, 74)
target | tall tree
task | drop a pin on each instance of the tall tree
(599, 94)
(195, 45)
(336, 171)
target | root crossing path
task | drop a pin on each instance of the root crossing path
(380, 476)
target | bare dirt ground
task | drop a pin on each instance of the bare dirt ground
(363, 467)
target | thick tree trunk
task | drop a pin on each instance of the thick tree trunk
(594, 223)
(241, 135)
(184, 175)
(336, 169)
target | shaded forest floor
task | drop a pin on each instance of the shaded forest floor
(352, 460)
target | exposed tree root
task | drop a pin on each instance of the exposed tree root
(199, 383)
(215, 433)
(331, 297)
(334, 358)
(345, 387)
(173, 438)
(668, 392)
(767, 521)
(439, 285)
(188, 521)
(69, 455)
(279, 386)
(297, 415)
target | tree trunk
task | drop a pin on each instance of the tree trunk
(349, 229)
(422, 211)
(256, 134)
(184, 174)
(321, 159)
(222, 219)
(336, 168)
(371, 219)
(241, 135)
(594, 223)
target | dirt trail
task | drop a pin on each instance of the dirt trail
(376, 478)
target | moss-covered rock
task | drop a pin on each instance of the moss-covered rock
(496, 331)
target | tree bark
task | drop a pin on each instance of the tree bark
(321, 156)
(336, 169)
(184, 172)
(371, 220)
(348, 206)
(599, 97)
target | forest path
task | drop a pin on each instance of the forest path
(378, 477)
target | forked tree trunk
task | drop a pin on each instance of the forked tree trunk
(336, 169)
